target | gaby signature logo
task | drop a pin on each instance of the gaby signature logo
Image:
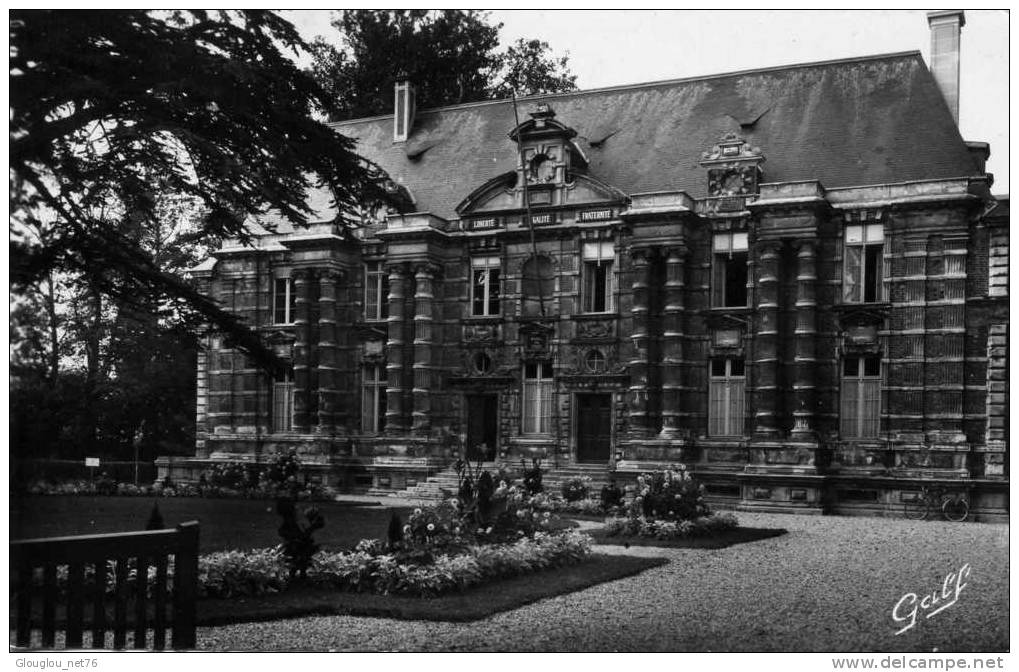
(906, 610)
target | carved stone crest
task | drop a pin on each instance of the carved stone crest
(598, 329)
(535, 340)
(480, 333)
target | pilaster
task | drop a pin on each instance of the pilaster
(395, 375)
(328, 379)
(672, 359)
(424, 299)
(302, 372)
(640, 425)
(804, 385)
(766, 342)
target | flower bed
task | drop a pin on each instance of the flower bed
(669, 504)
(366, 569)
(670, 529)
(235, 480)
(361, 571)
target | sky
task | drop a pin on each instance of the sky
(613, 47)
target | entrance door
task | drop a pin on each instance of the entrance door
(594, 427)
(482, 426)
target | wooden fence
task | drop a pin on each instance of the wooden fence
(53, 580)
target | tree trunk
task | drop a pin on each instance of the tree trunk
(93, 340)
(53, 369)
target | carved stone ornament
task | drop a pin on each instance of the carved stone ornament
(732, 181)
(584, 360)
(373, 352)
(484, 362)
(480, 333)
(730, 147)
(596, 329)
(535, 341)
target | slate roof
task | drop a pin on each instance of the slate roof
(862, 121)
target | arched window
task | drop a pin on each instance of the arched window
(538, 286)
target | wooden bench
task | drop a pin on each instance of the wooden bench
(49, 588)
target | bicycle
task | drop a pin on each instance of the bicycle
(954, 506)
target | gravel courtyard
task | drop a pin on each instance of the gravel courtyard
(829, 585)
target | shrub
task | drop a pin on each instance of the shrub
(235, 573)
(155, 521)
(394, 533)
(575, 489)
(671, 494)
(281, 474)
(532, 476)
(669, 504)
(298, 542)
(435, 528)
(611, 496)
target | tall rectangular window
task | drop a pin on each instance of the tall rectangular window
(284, 301)
(861, 397)
(597, 271)
(864, 261)
(283, 402)
(485, 286)
(729, 257)
(726, 397)
(373, 399)
(376, 292)
(537, 398)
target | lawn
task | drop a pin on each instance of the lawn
(724, 539)
(226, 524)
(474, 604)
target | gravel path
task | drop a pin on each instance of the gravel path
(828, 585)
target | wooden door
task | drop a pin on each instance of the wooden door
(482, 426)
(594, 427)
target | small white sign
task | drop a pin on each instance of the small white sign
(91, 461)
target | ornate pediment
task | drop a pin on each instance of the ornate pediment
(551, 172)
(862, 316)
(501, 194)
(367, 332)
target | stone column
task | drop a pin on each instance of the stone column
(327, 354)
(395, 424)
(804, 392)
(424, 298)
(640, 425)
(302, 374)
(766, 342)
(672, 359)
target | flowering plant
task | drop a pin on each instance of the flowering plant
(576, 489)
(665, 529)
(281, 473)
(671, 494)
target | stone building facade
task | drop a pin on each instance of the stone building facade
(793, 280)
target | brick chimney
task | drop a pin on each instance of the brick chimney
(946, 25)
(403, 108)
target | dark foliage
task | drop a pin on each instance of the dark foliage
(574, 490)
(451, 55)
(111, 109)
(532, 476)
(298, 541)
(611, 496)
(394, 533)
(155, 519)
